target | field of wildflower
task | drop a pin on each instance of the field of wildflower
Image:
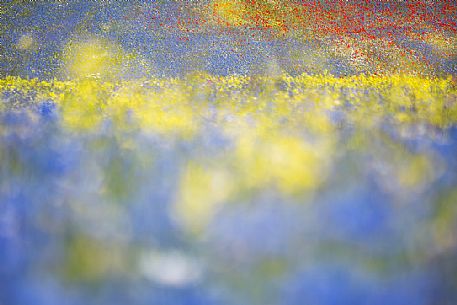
(228, 152)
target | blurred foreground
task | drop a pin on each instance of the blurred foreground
(229, 190)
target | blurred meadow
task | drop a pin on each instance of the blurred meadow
(228, 152)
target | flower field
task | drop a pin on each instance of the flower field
(228, 152)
